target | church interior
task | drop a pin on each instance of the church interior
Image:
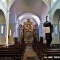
(29, 29)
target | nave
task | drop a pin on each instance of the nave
(45, 52)
(26, 21)
(36, 51)
(30, 54)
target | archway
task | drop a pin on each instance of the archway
(56, 25)
(34, 23)
(31, 16)
(20, 7)
(2, 28)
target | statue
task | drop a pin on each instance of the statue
(28, 25)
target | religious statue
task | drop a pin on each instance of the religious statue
(28, 25)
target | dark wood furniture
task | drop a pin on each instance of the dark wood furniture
(47, 53)
(14, 52)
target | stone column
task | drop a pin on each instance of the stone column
(7, 26)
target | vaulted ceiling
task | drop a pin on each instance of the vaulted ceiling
(45, 1)
(22, 6)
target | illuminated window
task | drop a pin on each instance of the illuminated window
(2, 29)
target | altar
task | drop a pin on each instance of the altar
(28, 31)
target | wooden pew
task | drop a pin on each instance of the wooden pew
(47, 53)
(9, 53)
(37, 48)
(54, 54)
(14, 52)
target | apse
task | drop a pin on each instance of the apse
(30, 16)
(20, 10)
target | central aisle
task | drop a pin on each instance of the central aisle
(30, 54)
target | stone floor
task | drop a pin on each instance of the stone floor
(29, 52)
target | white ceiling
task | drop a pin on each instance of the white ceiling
(23, 6)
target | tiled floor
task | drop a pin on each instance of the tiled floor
(29, 52)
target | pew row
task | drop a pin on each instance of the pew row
(46, 53)
(14, 52)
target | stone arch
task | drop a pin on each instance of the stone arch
(2, 17)
(54, 12)
(2, 27)
(23, 18)
(42, 15)
(31, 15)
(56, 25)
(3, 12)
